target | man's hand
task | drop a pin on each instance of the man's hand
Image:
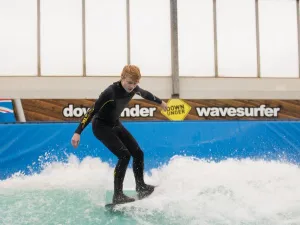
(75, 140)
(164, 106)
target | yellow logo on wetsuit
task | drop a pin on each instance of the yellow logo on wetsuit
(177, 110)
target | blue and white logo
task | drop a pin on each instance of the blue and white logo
(6, 111)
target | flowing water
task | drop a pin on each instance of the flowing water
(190, 191)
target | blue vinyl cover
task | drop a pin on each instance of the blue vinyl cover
(25, 145)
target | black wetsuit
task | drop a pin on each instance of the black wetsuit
(109, 130)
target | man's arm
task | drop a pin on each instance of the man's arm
(147, 95)
(103, 98)
(86, 119)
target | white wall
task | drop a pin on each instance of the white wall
(278, 38)
(106, 43)
(236, 35)
(61, 37)
(196, 38)
(18, 37)
(190, 88)
(150, 36)
(230, 43)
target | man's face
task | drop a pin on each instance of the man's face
(129, 84)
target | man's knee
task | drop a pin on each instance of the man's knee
(138, 154)
(124, 154)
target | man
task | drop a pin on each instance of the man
(109, 130)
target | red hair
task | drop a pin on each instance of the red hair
(131, 71)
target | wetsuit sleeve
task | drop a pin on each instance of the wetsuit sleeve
(100, 102)
(147, 95)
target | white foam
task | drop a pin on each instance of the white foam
(89, 173)
(230, 191)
